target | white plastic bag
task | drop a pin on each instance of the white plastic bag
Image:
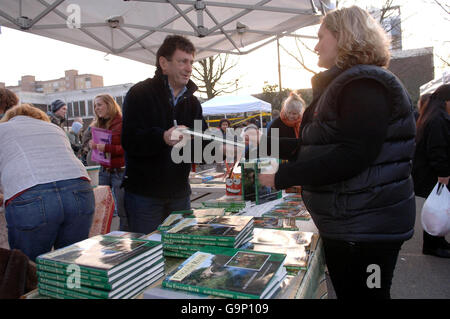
(436, 211)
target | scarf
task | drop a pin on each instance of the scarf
(294, 124)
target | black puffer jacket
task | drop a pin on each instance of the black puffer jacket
(378, 203)
(147, 113)
(432, 157)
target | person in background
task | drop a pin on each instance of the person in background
(7, 100)
(224, 124)
(49, 202)
(108, 115)
(432, 158)
(57, 114)
(423, 100)
(74, 135)
(353, 158)
(290, 118)
(154, 111)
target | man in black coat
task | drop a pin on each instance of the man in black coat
(153, 110)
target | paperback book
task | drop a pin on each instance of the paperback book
(270, 222)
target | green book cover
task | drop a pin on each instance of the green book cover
(229, 273)
(139, 277)
(252, 190)
(98, 282)
(213, 228)
(296, 245)
(100, 255)
(270, 222)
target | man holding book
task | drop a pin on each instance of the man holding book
(153, 110)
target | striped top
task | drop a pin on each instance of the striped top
(34, 152)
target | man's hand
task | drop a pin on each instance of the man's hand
(267, 180)
(173, 135)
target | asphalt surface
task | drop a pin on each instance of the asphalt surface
(417, 276)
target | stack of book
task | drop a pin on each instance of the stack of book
(177, 216)
(229, 273)
(233, 204)
(252, 190)
(190, 235)
(104, 267)
(270, 222)
(298, 246)
(291, 206)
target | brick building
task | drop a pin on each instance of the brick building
(70, 82)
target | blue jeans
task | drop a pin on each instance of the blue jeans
(55, 214)
(145, 214)
(114, 180)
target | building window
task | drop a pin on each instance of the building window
(119, 100)
(76, 109)
(82, 108)
(70, 109)
(90, 108)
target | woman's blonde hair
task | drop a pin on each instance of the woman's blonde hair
(294, 101)
(360, 38)
(112, 110)
(25, 110)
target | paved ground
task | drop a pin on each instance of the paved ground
(417, 276)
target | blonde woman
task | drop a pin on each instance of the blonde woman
(49, 202)
(290, 118)
(354, 158)
(108, 115)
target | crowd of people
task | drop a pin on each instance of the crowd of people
(358, 150)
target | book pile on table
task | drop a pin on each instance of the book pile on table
(298, 246)
(192, 234)
(177, 216)
(291, 206)
(229, 273)
(252, 190)
(270, 222)
(230, 203)
(206, 176)
(100, 267)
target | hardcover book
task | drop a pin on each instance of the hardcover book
(213, 228)
(229, 273)
(101, 255)
(252, 190)
(275, 223)
(295, 244)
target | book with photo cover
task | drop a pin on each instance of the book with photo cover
(101, 255)
(271, 222)
(296, 245)
(229, 273)
(213, 229)
(252, 190)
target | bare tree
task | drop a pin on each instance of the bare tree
(209, 72)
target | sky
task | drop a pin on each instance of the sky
(423, 22)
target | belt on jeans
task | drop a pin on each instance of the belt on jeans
(113, 169)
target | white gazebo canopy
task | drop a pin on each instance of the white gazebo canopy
(135, 29)
(228, 104)
(431, 86)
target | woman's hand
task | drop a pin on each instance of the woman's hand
(101, 147)
(267, 180)
(92, 145)
(443, 180)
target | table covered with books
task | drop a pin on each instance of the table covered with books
(227, 247)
